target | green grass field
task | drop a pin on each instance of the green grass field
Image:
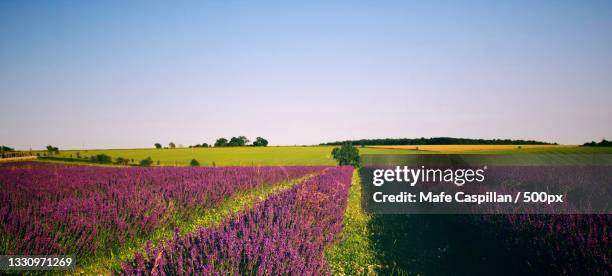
(288, 155)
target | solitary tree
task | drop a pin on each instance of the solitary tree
(158, 145)
(52, 150)
(221, 142)
(172, 145)
(347, 154)
(260, 142)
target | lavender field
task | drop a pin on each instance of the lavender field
(285, 235)
(92, 211)
(97, 212)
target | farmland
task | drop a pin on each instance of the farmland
(98, 212)
(271, 219)
(231, 156)
(305, 155)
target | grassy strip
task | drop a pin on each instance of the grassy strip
(354, 254)
(210, 217)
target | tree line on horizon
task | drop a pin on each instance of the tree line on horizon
(436, 141)
(603, 143)
(239, 141)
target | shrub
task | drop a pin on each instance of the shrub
(122, 161)
(146, 162)
(101, 158)
(194, 163)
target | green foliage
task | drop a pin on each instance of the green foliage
(146, 162)
(52, 150)
(158, 145)
(347, 154)
(203, 145)
(603, 143)
(260, 142)
(194, 163)
(238, 141)
(122, 161)
(101, 158)
(5, 148)
(221, 142)
(172, 145)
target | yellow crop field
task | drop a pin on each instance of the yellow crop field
(478, 148)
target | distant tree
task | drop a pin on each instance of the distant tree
(238, 141)
(158, 162)
(205, 145)
(158, 145)
(234, 142)
(52, 150)
(603, 143)
(194, 163)
(221, 142)
(244, 140)
(347, 154)
(78, 155)
(146, 162)
(260, 142)
(5, 148)
(122, 161)
(172, 145)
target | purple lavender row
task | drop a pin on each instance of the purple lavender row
(83, 210)
(286, 234)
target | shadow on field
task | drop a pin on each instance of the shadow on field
(439, 245)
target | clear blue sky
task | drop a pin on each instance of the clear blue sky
(104, 74)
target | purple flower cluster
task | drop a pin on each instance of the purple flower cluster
(84, 210)
(286, 234)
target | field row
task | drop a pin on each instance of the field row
(286, 234)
